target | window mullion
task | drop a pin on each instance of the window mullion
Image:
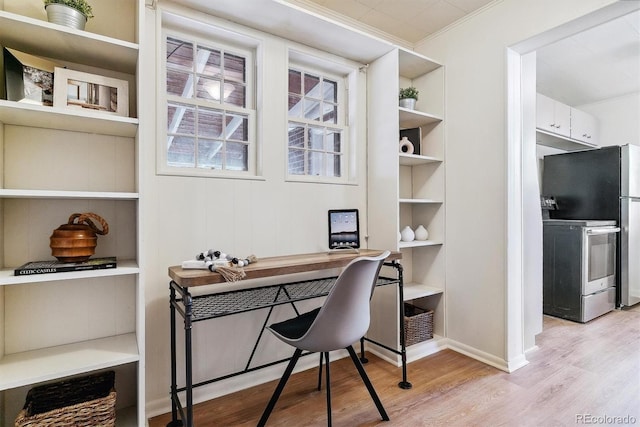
(201, 124)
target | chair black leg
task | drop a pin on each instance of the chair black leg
(326, 357)
(320, 373)
(279, 388)
(365, 379)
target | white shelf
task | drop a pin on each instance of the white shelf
(55, 194)
(418, 290)
(419, 201)
(413, 64)
(561, 142)
(415, 159)
(23, 114)
(125, 267)
(413, 118)
(67, 44)
(31, 367)
(418, 243)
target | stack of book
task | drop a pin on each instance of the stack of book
(54, 266)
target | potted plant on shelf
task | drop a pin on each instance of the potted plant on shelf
(408, 97)
(70, 13)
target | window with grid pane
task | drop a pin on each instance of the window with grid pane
(316, 131)
(209, 111)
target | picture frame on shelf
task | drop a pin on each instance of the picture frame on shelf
(414, 135)
(28, 78)
(90, 92)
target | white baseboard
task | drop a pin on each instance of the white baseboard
(414, 352)
(384, 354)
(531, 350)
(489, 359)
(427, 348)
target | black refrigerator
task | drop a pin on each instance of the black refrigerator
(602, 184)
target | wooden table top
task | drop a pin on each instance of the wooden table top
(276, 266)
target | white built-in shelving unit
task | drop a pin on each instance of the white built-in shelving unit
(55, 162)
(408, 190)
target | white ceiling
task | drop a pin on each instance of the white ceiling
(597, 64)
(409, 20)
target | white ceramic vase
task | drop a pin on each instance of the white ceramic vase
(407, 234)
(421, 233)
(405, 146)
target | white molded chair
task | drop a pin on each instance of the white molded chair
(341, 321)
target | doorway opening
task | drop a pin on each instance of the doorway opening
(524, 219)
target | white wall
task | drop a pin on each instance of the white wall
(182, 216)
(618, 119)
(474, 53)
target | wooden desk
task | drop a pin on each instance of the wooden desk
(276, 266)
(210, 305)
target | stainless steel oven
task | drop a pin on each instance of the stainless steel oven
(599, 257)
(579, 268)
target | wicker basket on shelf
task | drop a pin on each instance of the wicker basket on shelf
(78, 402)
(418, 324)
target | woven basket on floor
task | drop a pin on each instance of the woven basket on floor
(78, 402)
(418, 324)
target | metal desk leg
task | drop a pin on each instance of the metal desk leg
(403, 348)
(363, 358)
(188, 356)
(175, 422)
(187, 301)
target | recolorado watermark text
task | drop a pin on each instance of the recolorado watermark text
(605, 419)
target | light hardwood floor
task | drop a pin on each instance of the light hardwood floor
(579, 371)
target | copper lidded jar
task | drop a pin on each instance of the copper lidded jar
(76, 241)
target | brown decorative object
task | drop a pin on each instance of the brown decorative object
(78, 402)
(76, 241)
(418, 324)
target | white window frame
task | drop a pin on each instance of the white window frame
(323, 65)
(249, 54)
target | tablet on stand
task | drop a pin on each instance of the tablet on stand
(344, 230)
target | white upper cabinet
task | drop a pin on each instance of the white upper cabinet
(564, 127)
(553, 116)
(584, 127)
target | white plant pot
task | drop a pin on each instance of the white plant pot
(64, 15)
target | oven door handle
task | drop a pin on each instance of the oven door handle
(603, 230)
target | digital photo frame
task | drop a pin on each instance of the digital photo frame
(28, 78)
(344, 229)
(90, 92)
